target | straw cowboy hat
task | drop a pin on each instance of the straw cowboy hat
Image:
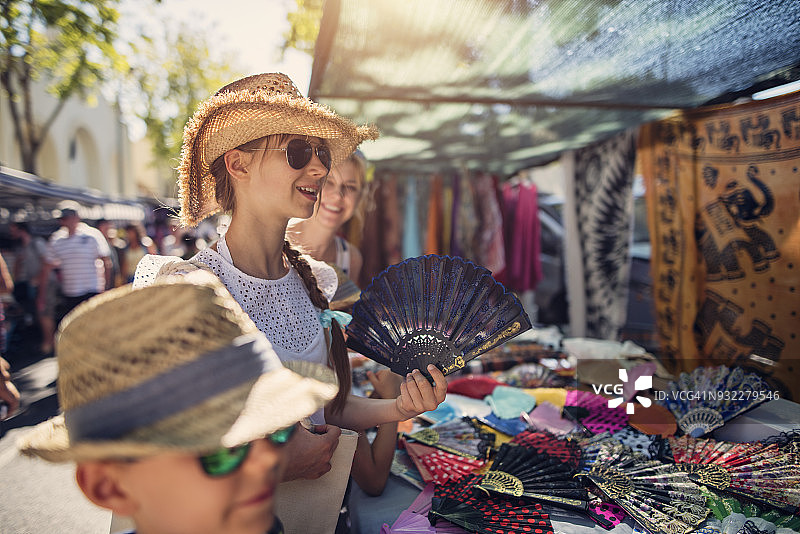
(172, 367)
(248, 109)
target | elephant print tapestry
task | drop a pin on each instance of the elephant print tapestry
(723, 199)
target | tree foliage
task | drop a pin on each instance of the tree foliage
(68, 44)
(304, 26)
(171, 73)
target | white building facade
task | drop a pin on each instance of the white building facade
(87, 147)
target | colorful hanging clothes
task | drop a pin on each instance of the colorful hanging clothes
(490, 245)
(433, 232)
(447, 213)
(466, 219)
(381, 244)
(455, 243)
(722, 203)
(523, 264)
(411, 233)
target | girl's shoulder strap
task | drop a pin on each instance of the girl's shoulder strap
(327, 281)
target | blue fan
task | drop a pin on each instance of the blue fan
(708, 397)
(433, 309)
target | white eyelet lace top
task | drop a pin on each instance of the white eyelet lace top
(280, 308)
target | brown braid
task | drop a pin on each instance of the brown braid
(337, 356)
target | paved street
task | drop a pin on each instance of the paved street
(37, 497)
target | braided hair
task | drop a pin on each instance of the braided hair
(338, 353)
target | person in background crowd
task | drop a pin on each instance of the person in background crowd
(343, 200)
(115, 245)
(9, 396)
(6, 288)
(180, 420)
(28, 262)
(82, 255)
(139, 244)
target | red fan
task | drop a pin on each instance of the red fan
(546, 443)
(593, 412)
(439, 466)
(763, 473)
(457, 502)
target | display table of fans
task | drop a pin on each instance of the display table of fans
(572, 465)
(521, 450)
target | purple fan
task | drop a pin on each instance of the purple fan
(439, 310)
(593, 411)
(414, 520)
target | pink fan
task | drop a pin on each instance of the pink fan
(414, 520)
(593, 412)
(547, 416)
(438, 466)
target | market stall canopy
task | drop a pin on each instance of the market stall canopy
(24, 196)
(505, 85)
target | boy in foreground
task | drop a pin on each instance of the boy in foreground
(176, 409)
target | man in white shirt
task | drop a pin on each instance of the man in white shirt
(82, 255)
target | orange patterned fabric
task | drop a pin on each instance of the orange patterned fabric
(723, 197)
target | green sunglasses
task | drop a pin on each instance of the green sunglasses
(225, 461)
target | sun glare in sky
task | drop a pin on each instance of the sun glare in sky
(251, 30)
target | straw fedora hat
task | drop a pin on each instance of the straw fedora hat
(248, 109)
(172, 367)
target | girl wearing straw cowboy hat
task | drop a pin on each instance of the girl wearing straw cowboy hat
(261, 151)
(179, 417)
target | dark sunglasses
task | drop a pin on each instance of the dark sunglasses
(225, 461)
(299, 152)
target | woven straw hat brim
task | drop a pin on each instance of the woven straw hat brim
(232, 118)
(276, 400)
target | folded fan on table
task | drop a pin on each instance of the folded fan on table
(594, 413)
(708, 397)
(652, 493)
(433, 309)
(458, 436)
(438, 466)
(544, 442)
(762, 473)
(521, 472)
(457, 502)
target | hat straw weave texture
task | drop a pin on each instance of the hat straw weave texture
(127, 340)
(248, 109)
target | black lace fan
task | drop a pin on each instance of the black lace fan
(521, 472)
(433, 309)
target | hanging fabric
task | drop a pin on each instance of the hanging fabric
(411, 233)
(524, 269)
(489, 242)
(447, 214)
(722, 197)
(602, 185)
(381, 243)
(433, 231)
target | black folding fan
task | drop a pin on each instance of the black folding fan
(433, 309)
(521, 472)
